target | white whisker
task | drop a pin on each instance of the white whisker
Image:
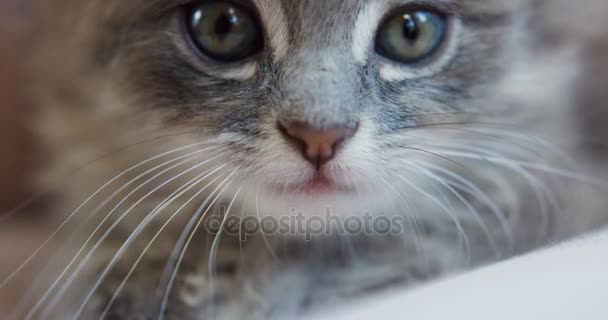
(466, 203)
(159, 208)
(257, 211)
(454, 219)
(525, 164)
(466, 185)
(71, 216)
(215, 245)
(81, 265)
(412, 217)
(202, 215)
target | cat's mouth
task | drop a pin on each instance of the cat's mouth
(319, 185)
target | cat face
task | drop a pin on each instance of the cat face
(324, 103)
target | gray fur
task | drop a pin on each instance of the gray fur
(114, 73)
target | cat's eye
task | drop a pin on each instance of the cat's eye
(224, 31)
(410, 36)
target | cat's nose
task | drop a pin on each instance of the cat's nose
(318, 146)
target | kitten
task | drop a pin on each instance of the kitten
(462, 125)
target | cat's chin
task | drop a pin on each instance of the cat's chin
(318, 187)
(307, 192)
(316, 213)
(317, 197)
(314, 185)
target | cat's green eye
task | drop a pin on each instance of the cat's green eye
(410, 36)
(224, 31)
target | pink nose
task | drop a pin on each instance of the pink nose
(318, 146)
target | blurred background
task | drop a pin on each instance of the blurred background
(17, 148)
(16, 145)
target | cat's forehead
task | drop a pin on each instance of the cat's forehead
(319, 15)
(350, 25)
(327, 13)
(334, 8)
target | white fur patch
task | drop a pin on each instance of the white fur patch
(366, 26)
(275, 20)
(243, 73)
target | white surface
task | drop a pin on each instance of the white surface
(568, 282)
